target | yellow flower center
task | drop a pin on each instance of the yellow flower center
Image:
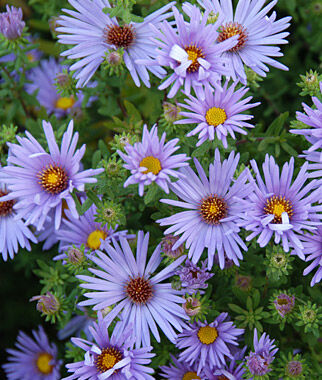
(64, 103)
(190, 376)
(152, 164)
(53, 179)
(30, 57)
(43, 363)
(207, 334)
(193, 54)
(107, 359)
(277, 205)
(94, 239)
(213, 209)
(216, 116)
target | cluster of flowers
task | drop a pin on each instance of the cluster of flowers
(37, 204)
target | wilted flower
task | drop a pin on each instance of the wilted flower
(192, 306)
(47, 304)
(167, 244)
(192, 277)
(284, 304)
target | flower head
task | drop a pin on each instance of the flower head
(284, 304)
(152, 160)
(85, 231)
(94, 33)
(167, 244)
(218, 114)
(179, 370)
(47, 303)
(215, 206)
(281, 208)
(192, 53)
(42, 78)
(257, 34)
(35, 358)
(258, 362)
(208, 343)
(111, 357)
(231, 371)
(193, 277)
(138, 295)
(13, 231)
(40, 181)
(313, 249)
(11, 24)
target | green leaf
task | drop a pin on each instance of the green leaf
(256, 298)
(237, 309)
(249, 303)
(96, 158)
(277, 125)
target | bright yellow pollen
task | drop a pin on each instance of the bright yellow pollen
(278, 209)
(276, 205)
(190, 376)
(207, 334)
(43, 363)
(93, 240)
(108, 361)
(152, 164)
(192, 55)
(53, 178)
(64, 103)
(194, 52)
(216, 116)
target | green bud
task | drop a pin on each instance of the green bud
(110, 213)
(310, 83)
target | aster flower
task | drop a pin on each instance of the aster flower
(233, 372)
(40, 181)
(152, 160)
(208, 343)
(111, 357)
(284, 304)
(13, 231)
(43, 78)
(280, 208)
(219, 114)
(193, 277)
(11, 24)
(94, 33)
(215, 206)
(258, 362)
(179, 370)
(35, 358)
(85, 231)
(191, 51)
(313, 249)
(257, 34)
(128, 284)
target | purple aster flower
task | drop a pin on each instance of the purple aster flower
(76, 325)
(215, 206)
(280, 208)
(128, 284)
(85, 231)
(179, 370)
(258, 362)
(313, 249)
(193, 277)
(191, 50)
(218, 114)
(284, 304)
(257, 34)
(11, 24)
(312, 118)
(167, 244)
(35, 358)
(13, 231)
(152, 160)
(208, 343)
(40, 181)
(94, 33)
(111, 357)
(231, 372)
(43, 78)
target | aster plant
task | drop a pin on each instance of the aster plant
(281, 208)
(111, 357)
(257, 34)
(215, 206)
(219, 114)
(152, 160)
(34, 358)
(127, 283)
(94, 32)
(313, 249)
(11, 23)
(232, 371)
(40, 181)
(179, 370)
(208, 344)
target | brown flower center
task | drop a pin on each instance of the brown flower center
(193, 54)
(53, 179)
(213, 209)
(108, 358)
(232, 29)
(282, 301)
(277, 205)
(139, 290)
(119, 36)
(5, 206)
